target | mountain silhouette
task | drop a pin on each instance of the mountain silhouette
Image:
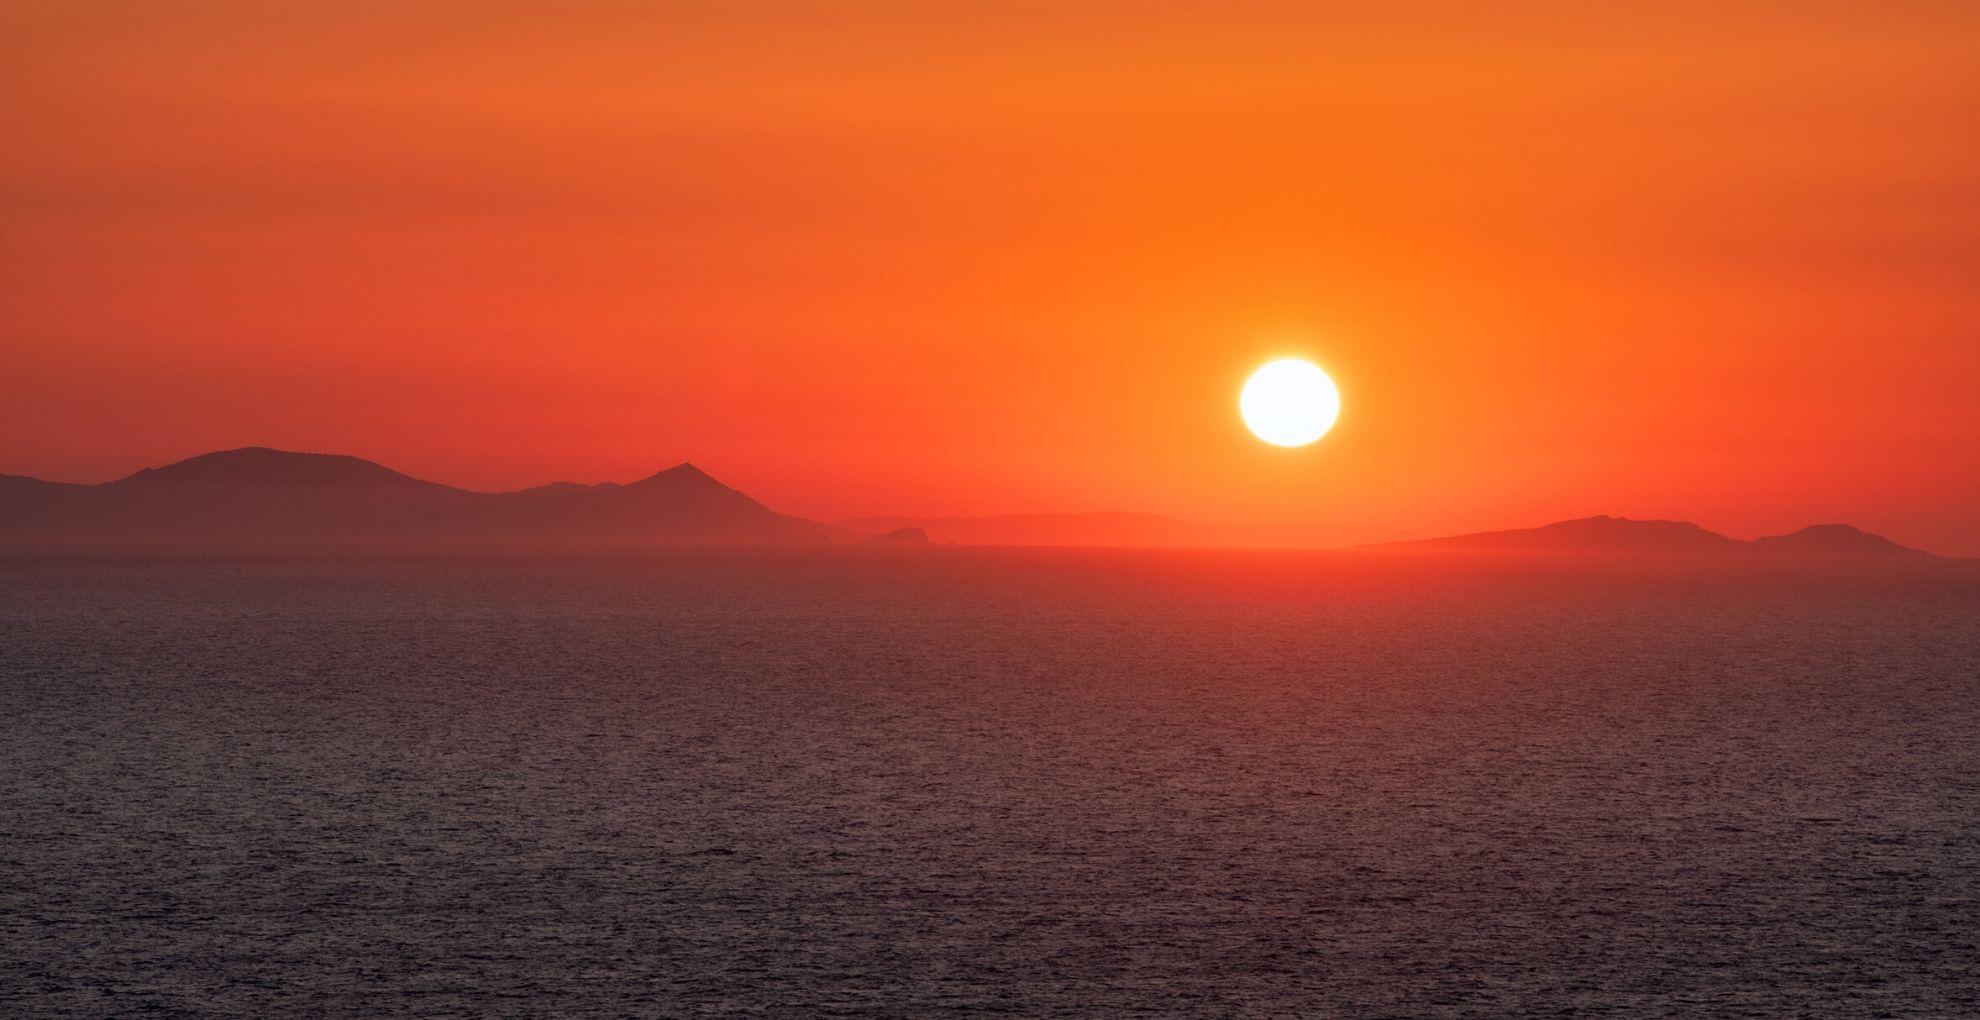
(258, 494)
(1835, 540)
(1623, 536)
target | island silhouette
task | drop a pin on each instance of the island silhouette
(1603, 534)
(258, 494)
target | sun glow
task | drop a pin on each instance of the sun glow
(1289, 402)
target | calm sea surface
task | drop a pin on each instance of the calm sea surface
(929, 782)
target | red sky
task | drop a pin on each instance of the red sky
(1703, 261)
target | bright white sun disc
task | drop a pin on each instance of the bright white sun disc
(1289, 402)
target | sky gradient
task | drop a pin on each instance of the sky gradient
(1710, 262)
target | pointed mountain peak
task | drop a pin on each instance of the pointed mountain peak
(686, 482)
(683, 473)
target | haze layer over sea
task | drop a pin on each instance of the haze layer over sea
(919, 782)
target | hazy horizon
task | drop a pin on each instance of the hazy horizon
(1698, 263)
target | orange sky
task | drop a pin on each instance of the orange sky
(1702, 263)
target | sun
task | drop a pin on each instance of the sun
(1289, 402)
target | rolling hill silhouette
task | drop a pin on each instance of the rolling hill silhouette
(1623, 536)
(1836, 540)
(259, 465)
(258, 494)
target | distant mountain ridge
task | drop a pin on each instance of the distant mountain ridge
(1624, 536)
(261, 494)
(258, 494)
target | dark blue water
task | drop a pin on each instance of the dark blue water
(952, 782)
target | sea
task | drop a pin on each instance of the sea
(933, 782)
